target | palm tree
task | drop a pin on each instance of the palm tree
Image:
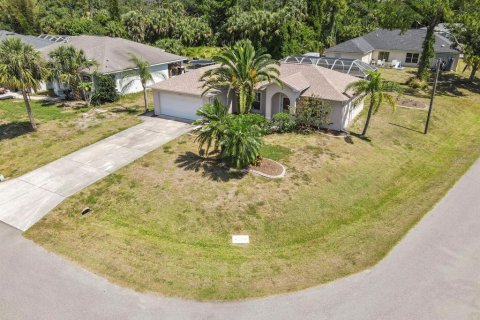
(67, 65)
(142, 70)
(377, 91)
(21, 67)
(211, 124)
(241, 70)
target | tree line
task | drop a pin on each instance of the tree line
(280, 27)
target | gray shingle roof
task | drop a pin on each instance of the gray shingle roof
(411, 40)
(356, 45)
(34, 41)
(114, 54)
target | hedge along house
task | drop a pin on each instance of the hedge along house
(113, 57)
(181, 96)
(384, 46)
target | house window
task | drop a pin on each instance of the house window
(383, 55)
(412, 58)
(257, 102)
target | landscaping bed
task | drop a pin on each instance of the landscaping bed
(411, 103)
(268, 168)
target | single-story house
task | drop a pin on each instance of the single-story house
(32, 40)
(385, 46)
(113, 57)
(181, 96)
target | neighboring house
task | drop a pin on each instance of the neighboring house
(444, 29)
(32, 40)
(113, 57)
(389, 45)
(182, 96)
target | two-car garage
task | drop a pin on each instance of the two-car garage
(180, 96)
(177, 105)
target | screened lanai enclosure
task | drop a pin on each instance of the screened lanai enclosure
(353, 67)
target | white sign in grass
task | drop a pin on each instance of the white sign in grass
(240, 239)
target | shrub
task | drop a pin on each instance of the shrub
(241, 141)
(282, 122)
(417, 84)
(211, 125)
(105, 89)
(312, 114)
(237, 137)
(255, 119)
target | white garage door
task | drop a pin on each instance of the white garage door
(178, 106)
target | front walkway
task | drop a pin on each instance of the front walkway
(26, 199)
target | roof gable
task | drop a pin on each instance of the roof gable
(322, 82)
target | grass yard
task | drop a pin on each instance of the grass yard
(60, 131)
(163, 224)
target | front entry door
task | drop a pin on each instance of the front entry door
(285, 107)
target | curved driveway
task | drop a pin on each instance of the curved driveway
(433, 273)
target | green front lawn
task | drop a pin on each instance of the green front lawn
(60, 131)
(164, 223)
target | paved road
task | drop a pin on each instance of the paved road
(433, 273)
(26, 199)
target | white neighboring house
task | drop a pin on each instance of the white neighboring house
(113, 57)
(389, 45)
(181, 96)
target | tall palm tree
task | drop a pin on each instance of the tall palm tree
(142, 70)
(21, 67)
(376, 89)
(67, 66)
(241, 69)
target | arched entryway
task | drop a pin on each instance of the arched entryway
(280, 103)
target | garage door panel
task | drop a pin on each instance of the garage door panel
(180, 106)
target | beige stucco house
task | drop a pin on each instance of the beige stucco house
(182, 96)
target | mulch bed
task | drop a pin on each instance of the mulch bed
(410, 103)
(268, 167)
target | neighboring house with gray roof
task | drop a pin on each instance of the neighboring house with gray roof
(113, 57)
(32, 40)
(388, 45)
(182, 96)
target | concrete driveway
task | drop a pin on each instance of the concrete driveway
(26, 199)
(432, 274)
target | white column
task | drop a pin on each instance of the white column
(268, 104)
